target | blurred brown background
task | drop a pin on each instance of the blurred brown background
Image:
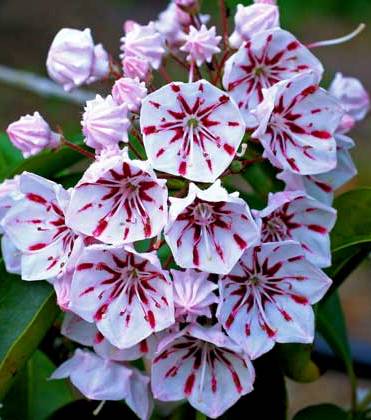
(27, 29)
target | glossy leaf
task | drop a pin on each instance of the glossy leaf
(331, 325)
(296, 362)
(322, 412)
(33, 397)
(9, 156)
(27, 310)
(262, 178)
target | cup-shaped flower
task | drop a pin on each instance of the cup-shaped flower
(297, 216)
(73, 59)
(37, 227)
(87, 334)
(129, 92)
(105, 123)
(202, 365)
(191, 129)
(210, 229)
(119, 201)
(101, 379)
(267, 297)
(193, 294)
(297, 122)
(143, 41)
(249, 20)
(31, 134)
(126, 294)
(267, 58)
(352, 95)
(201, 44)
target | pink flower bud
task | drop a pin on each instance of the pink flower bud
(31, 134)
(135, 67)
(73, 59)
(201, 44)
(105, 123)
(129, 92)
(266, 1)
(143, 41)
(252, 19)
(352, 96)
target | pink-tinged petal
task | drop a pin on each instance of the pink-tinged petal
(139, 397)
(119, 201)
(78, 330)
(125, 293)
(322, 186)
(267, 58)
(36, 225)
(267, 296)
(191, 129)
(11, 255)
(202, 365)
(193, 294)
(294, 215)
(209, 229)
(299, 135)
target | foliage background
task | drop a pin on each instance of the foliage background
(27, 28)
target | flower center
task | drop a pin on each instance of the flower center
(193, 122)
(259, 71)
(254, 280)
(274, 229)
(203, 214)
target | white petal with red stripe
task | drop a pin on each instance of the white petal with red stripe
(209, 229)
(126, 294)
(294, 215)
(119, 201)
(297, 121)
(191, 129)
(202, 365)
(267, 58)
(37, 227)
(267, 296)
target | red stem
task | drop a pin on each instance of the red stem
(77, 149)
(224, 22)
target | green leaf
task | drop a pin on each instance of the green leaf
(262, 178)
(296, 362)
(269, 397)
(27, 311)
(322, 412)
(33, 397)
(331, 325)
(9, 156)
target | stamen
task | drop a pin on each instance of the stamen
(340, 40)
(99, 408)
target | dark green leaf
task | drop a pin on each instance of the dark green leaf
(262, 178)
(9, 156)
(331, 325)
(296, 362)
(269, 396)
(27, 310)
(322, 412)
(33, 397)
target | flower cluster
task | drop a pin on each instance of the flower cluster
(151, 254)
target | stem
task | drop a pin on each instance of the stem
(191, 72)
(77, 148)
(340, 40)
(224, 22)
(178, 60)
(220, 67)
(165, 75)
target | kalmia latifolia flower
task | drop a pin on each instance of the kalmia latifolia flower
(31, 134)
(294, 215)
(201, 44)
(119, 201)
(129, 92)
(102, 379)
(126, 294)
(210, 229)
(193, 294)
(267, 297)
(74, 59)
(267, 58)
(37, 227)
(297, 122)
(155, 253)
(105, 123)
(191, 130)
(202, 365)
(252, 19)
(143, 41)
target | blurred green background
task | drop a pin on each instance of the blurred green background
(27, 29)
